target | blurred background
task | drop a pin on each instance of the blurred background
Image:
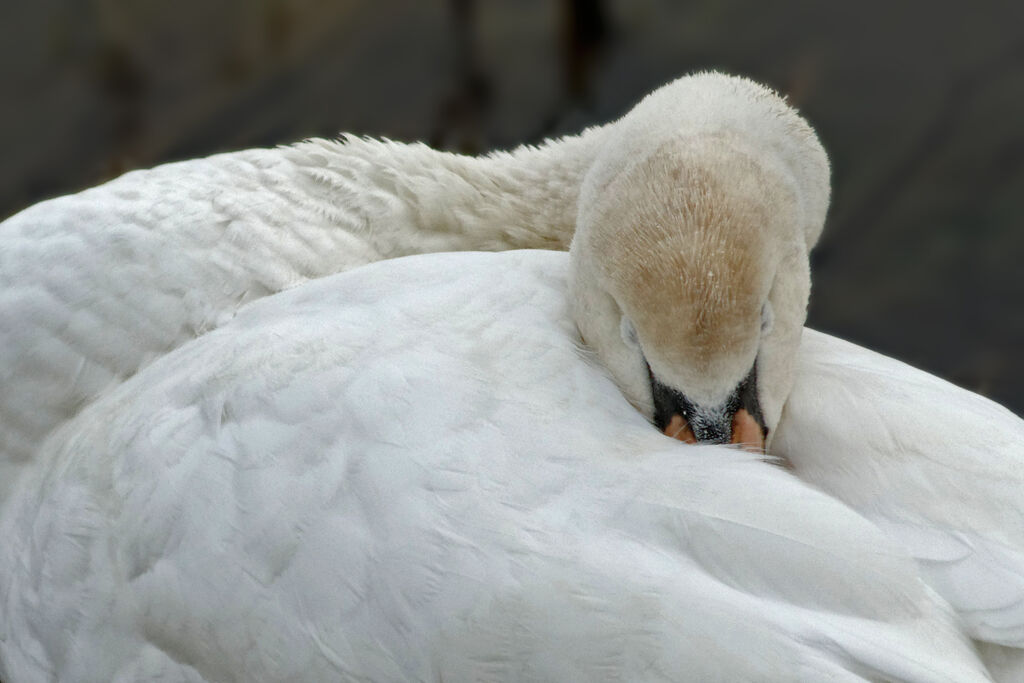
(920, 104)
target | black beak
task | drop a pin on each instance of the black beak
(710, 424)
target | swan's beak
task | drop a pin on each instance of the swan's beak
(738, 420)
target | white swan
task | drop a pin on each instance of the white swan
(373, 477)
(94, 286)
(621, 184)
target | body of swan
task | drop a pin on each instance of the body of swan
(937, 467)
(96, 285)
(373, 477)
(687, 276)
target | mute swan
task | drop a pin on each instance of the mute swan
(373, 477)
(95, 285)
(63, 352)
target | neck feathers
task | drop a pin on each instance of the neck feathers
(412, 199)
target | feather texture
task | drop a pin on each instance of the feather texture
(373, 477)
(940, 469)
(95, 285)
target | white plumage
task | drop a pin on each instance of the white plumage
(937, 467)
(95, 285)
(417, 471)
(329, 486)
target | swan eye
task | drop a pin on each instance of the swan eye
(767, 317)
(629, 333)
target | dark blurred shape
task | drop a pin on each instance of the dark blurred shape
(459, 125)
(586, 32)
(122, 83)
(585, 35)
(919, 103)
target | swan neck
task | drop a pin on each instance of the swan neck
(413, 199)
(541, 208)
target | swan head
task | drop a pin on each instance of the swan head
(690, 274)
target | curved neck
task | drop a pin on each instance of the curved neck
(412, 199)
